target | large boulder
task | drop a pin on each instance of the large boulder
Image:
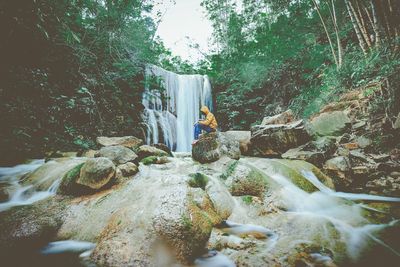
(282, 118)
(245, 180)
(128, 169)
(315, 152)
(332, 123)
(96, 172)
(207, 148)
(275, 139)
(126, 141)
(118, 154)
(164, 147)
(148, 151)
(339, 168)
(176, 222)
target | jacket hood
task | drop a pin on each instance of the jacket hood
(205, 110)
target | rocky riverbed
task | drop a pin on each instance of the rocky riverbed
(174, 211)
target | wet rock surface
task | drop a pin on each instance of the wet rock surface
(96, 173)
(149, 151)
(126, 141)
(117, 154)
(207, 148)
(247, 212)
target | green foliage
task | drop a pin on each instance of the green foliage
(229, 170)
(68, 184)
(274, 55)
(81, 75)
(247, 199)
(198, 180)
(149, 160)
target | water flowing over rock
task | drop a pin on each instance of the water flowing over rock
(170, 115)
(246, 212)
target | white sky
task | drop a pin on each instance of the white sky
(186, 19)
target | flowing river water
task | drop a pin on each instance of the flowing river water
(339, 222)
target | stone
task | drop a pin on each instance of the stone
(231, 139)
(96, 173)
(164, 147)
(282, 118)
(363, 141)
(274, 140)
(128, 169)
(126, 141)
(207, 148)
(359, 125)
(118, 154)
(339, 168)
(152, 220)
(246, 181)
(147, 151)
(28, 228)
(380, 157)
(357, 156)
(350, 146)
(154, 160)
(89, 153)
(338, 164)
(329, 124)
(229, 145)
(314, 157)
(315, 152)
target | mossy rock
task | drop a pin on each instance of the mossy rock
(229, 170)
(198, 179)
(68, 184)
(245, 180)
(155, 160)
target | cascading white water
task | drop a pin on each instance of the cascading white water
(172, 122)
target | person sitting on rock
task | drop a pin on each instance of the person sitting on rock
(209, 124)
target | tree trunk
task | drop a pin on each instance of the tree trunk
(375, 24)
(356, 29)
(327, 33)
(339, 44)
(360, 26)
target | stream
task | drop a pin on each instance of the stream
(337, 219)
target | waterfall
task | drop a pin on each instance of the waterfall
(172, 111)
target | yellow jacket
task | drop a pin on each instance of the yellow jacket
(210, 118)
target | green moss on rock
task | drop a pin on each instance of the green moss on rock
(68, 183)
(149, 160)
(198, 180)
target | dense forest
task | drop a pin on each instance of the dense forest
(271, 55)
(74, 70)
